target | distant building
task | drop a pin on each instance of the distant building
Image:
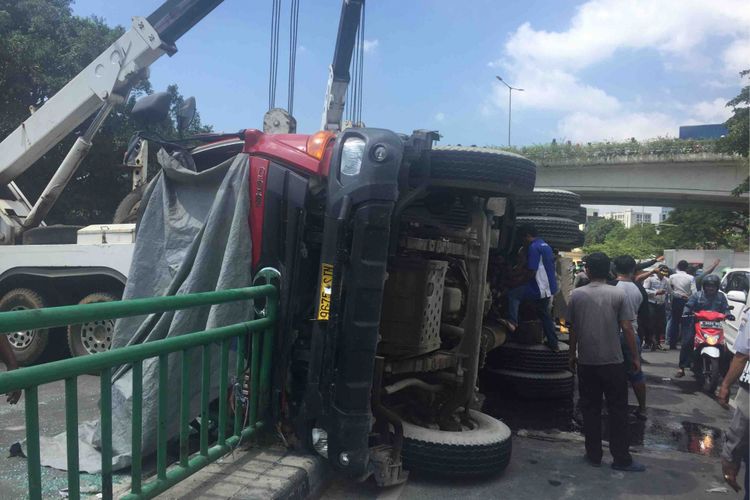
(664, 214)
(712, 131)
(630, 218)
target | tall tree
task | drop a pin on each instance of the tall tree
(42, 46)
(738, 138)
(598, 230)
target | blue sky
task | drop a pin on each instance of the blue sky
(602, 69)
(591, 70)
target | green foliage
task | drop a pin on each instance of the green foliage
(685, 228)
(598, 151)
(597, 231)
(704, 228)
(640, 241)
(42, 46)
(738, 139)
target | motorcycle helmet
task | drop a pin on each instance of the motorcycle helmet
(711, 281)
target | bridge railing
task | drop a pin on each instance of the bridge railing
(259, 331)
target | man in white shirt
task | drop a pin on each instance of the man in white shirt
(735, 448)
(683, 287)
(657, 288)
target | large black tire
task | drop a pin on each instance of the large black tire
(51, 235)
(529, 358)
(127, 210)
(94, 336)
(27, 345)
(482, 451)
(558, 232)
(550, 202)
(526, 385)
(490, 169)
(711, 379)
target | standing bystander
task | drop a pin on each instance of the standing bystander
(736, 447)
(596, 313)
(657, 288)
(682, 286)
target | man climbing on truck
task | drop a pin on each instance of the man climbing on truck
(540, 284)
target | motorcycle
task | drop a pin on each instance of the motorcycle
(709, 346)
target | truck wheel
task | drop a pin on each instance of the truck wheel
(527, 385)
(483, 450)
(27, 345)
(58, 234)
(485, 168)
(529, 358)
(127, 210)
(94, 336)
(552, 202)
(558, 232)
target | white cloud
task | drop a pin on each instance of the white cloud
(737, 56)
(371, 45)
(587, 127)
(715, 111)
(440, 116)
(550, 65)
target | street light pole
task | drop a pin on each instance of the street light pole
(510, 95)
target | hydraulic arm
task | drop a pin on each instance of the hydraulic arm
(101, 85)
(338, 72)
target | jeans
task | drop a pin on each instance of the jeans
(688, 337)
(515, 297)
(678, 304)
(611, 382)
(522, 293)
(657, 324)
(547, 324)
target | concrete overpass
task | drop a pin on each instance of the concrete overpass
(671, 180)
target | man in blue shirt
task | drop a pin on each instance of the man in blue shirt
(540, 283)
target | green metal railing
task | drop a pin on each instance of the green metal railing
(259, 330)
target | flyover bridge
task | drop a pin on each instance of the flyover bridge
(680, 175)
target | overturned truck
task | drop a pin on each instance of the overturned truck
(382, 241)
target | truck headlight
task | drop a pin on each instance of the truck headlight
(351, 156)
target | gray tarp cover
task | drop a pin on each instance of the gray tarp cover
(193, 236)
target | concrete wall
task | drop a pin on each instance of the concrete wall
(729, 258)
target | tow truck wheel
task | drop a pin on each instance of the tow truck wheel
(481, 450)
(94, 336)
(27, 345)
(127, 210)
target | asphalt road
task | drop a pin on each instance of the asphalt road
(548, 464)
(13, 478)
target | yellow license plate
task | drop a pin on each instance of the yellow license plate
(326, 282)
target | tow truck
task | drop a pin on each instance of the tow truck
(57, 265)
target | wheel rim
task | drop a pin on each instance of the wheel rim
(96, 336)
(22, 339)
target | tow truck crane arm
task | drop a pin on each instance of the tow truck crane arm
(338, 71)
(105, 82)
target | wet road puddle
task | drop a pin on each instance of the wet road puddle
(660, 431)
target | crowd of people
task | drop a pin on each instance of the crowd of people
(617, 309)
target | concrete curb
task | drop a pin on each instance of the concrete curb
(257, 473)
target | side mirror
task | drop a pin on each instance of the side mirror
(186, 114)
(737, 296)
(152, 108)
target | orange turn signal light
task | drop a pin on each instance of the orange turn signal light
(316, 143)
